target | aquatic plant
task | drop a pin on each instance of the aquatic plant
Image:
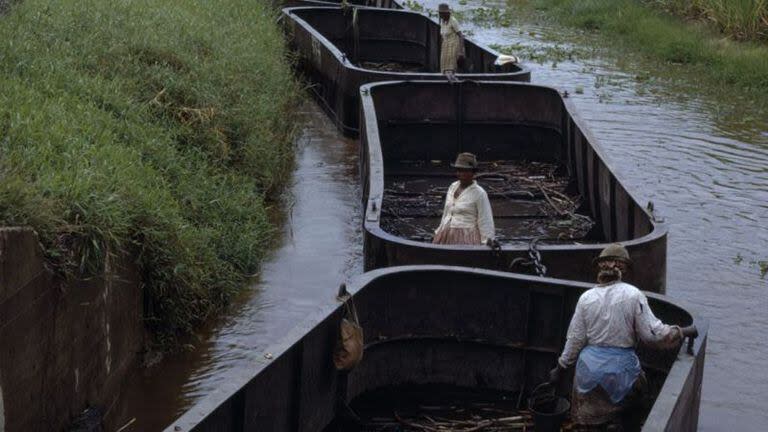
(155, 130)
(544, 53)
(490, 16)
(414, 5)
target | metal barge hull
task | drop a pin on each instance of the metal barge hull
(437, 325)
(383, 4)
(335, 48)
(427, 123)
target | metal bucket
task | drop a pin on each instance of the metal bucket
(548, 410)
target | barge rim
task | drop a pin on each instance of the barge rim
(659, 229)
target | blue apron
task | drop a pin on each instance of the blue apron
(612, 368)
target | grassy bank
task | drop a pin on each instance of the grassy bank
(660, 36)
(149, 127)
(739, 19)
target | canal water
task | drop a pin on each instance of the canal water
(701, 157)
(320, 246)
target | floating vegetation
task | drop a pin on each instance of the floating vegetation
(490, 17)
(541, 54)
(762, 265)
(414, 6)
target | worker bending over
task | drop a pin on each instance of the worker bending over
(610, 319)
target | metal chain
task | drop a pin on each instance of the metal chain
(534, 259)
(535, 255)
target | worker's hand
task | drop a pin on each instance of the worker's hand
(493, 244)
(691, 331)
(555, 374)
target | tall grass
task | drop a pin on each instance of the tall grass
(151, 128)
(740, 19)
(720, 61)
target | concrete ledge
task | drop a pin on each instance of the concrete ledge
(21, 259)
(66, 345)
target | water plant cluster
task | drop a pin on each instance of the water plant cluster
(153, 130)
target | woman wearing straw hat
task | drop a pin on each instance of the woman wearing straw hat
(452, 48)
(467, 216)
(609, 321)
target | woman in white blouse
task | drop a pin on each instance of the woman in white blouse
(452, 47)
(467, 216)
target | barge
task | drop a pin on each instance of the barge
(339, 49)
(384, 4)
(475, 331)
(556, 199)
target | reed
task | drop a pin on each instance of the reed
(148, 128)
(740, 19)
(722, 62)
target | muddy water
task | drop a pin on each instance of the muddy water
(702, 159)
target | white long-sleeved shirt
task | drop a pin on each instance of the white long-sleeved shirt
(450, 28)
(471, 209)
(614, 315)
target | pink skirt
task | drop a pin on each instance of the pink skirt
(457, 236)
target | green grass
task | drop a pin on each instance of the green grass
(157, 129)
(740, 19)
(663, 37)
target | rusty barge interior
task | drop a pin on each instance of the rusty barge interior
(529, 199)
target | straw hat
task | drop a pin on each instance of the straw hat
(614, 251)
(465, 161)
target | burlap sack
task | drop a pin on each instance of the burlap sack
(349, 347)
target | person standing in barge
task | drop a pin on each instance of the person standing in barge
(467, 215)
(610, 319)
(452, 47)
